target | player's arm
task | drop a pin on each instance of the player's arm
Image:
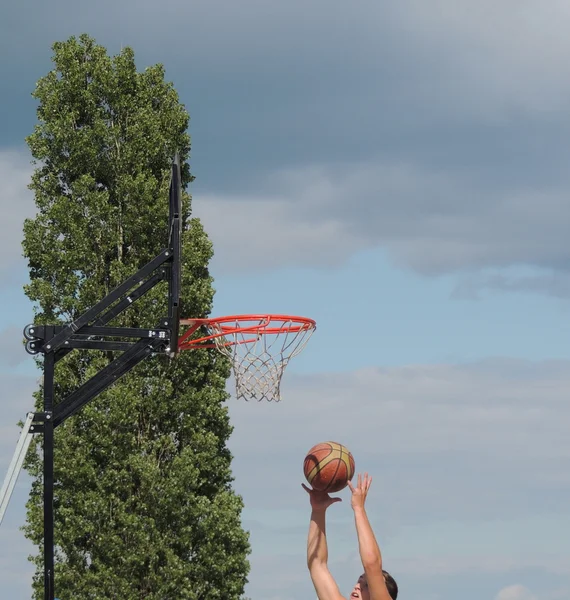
(317, 549)
(370, 554)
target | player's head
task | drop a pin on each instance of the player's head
(391, 585)
(360, 590)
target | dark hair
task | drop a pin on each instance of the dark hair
(391, 585)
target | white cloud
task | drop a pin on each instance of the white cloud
(515, 592)
(16, 203)
(429, 221)
(462, 456)
(493, 58)
(551, 281)
(487, 564)
(408, 62)
(257, 234)
(559, 594)
(478, 441)
(431, 466)
(12, 351)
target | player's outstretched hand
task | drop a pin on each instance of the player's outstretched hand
(320, 500)
(360, 491)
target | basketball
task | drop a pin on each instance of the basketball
(328, 467)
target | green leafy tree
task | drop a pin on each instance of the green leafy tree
(144, 506)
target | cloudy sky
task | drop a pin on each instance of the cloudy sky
(399, 171)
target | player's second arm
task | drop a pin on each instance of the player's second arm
(317, 555)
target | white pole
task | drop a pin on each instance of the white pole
(16, 465)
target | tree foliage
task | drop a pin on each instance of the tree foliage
(144, 506)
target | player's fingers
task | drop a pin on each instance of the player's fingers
(351, 486)
(306, 488)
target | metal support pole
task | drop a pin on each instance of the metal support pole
(49, 561)
(16, 465)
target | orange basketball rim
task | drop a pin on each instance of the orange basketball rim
(259, 346)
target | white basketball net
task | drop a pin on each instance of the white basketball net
(260, 352)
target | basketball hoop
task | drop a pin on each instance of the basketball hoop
(259, 346)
